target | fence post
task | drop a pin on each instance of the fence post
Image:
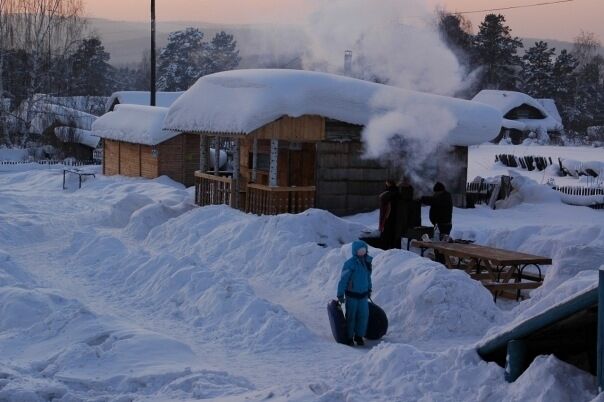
(600, 348)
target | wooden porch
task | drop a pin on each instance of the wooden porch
(256, 198)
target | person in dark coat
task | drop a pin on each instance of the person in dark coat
(441, 208)
(390, 234)
(405, 220)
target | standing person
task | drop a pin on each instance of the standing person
(355, 284)
(441, 209)
(405, 220)
(390, 236)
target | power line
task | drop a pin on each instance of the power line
(546, 3)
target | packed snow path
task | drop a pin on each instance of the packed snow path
(123, 290)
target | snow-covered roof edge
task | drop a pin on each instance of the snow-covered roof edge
(135, 124)
(142, 98)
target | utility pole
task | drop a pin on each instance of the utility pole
(152, 52)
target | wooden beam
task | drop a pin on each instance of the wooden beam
(274, 161)
(236, 169)
(217, 156)
(204, 153)
(254, 159)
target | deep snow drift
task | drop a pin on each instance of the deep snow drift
(123, 290)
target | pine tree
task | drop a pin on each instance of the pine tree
(564, 78)
(537, 74)
(182, 61)
(456, 32)
(222, 54)
(496, 51)
(90, 70)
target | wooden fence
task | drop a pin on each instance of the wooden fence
(264, 200)
(582, 191)
(50, 162)
(212, 190)
(529, 162)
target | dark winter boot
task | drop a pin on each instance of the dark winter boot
(349, 342)
(359, 340)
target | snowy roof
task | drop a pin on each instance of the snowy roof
(134, 123)
(505, 101)
(550, 107)
(84, 137)
(42, 115)
(143, 98)
(241, 101)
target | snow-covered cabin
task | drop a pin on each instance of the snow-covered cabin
(523, 115)
(142, 98)
(135, 144)
(296, 141)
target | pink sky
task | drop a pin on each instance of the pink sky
(561, 21)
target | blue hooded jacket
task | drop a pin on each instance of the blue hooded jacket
(356, 272)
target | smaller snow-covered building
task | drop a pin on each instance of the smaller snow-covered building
(136, 145)
(523, 115)
(142, 98)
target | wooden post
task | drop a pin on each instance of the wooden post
(600, 334)
(272, 174)
(153, 60)
(235, 185)
(204, 155)
(217, 156)
(254, 160)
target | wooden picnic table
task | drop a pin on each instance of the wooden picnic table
(496, 268)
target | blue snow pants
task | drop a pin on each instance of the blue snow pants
(357, 316)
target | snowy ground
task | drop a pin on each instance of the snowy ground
(124, 290)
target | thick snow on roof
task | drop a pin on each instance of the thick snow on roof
(134, 123)
(42, 115)
(241, 101)
(143, 98)
(550, 107)
(70, 134)
(504, 101)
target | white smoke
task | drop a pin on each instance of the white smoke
(393, 41)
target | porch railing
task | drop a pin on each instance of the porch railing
(265, 200)
(212, 190)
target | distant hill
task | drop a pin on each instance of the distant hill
(126, 40)
(258, 43)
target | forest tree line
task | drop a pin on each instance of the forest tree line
(47, 48)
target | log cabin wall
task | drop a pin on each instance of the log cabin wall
(191, 154)
(130, 161)
(149, 163)
(171, 157)
(111, 157)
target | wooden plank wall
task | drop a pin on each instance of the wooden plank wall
(149, 163)
(191, 157)
(347, 184)
(130, 161)
(111, 156)
(171, 155)
(296, 129)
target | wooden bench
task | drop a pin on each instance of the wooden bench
(497, 269)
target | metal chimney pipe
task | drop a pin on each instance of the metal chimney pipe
(347, 62)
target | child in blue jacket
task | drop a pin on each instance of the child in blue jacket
(355, 284)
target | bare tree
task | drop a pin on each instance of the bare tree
(45, 32)
(586, 47)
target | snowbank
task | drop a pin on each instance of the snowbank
(241, 101)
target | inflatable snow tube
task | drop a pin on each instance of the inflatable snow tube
(377, 325)
(337, 321)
